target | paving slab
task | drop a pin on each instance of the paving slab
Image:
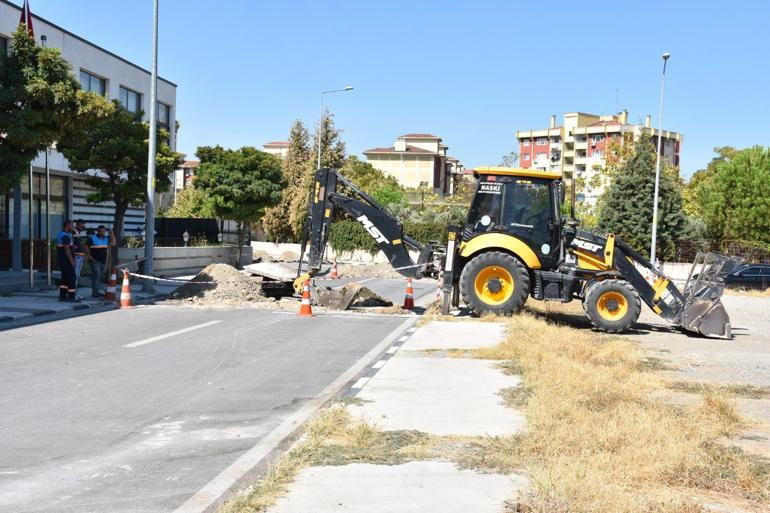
(456, 335)
(417, 486)
(442, 396)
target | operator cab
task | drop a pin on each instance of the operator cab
(523, 203)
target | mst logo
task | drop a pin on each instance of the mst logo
(373, 231)
(588, 246)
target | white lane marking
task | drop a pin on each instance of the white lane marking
(360, 383)
(404, 338)
(412, 329)
(218, 486)
(171, 334)
(379, 364)
(392, 350)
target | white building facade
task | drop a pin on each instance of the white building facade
(101, 71)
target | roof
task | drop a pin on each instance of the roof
(190, 163)
(419, 136)
(391, 149)
(276, 144)
(57, 27)
(605, 123)
(513, 171)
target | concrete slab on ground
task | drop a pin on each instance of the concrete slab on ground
(456, 335)
(442, 396)
(417, 486)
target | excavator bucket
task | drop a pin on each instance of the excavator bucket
(703, 311)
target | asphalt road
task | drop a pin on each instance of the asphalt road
(101, 413)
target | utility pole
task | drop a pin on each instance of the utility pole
(657, 164)
(149, 224)
(31, 230)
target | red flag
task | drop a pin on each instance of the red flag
(26, 19)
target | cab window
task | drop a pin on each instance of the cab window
(527, 204)
(484, 214)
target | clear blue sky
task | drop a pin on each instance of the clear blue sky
(470, 72)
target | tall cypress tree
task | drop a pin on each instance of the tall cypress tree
(277, 220)
(626, 207)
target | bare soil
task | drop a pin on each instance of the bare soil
(221, 284)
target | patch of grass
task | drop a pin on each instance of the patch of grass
(747, 391)
(515, 397)
(598, 442)
(653, 364)
(748, 292)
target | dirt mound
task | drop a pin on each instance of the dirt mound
(288, 256)
(221, 284)
(261, 256)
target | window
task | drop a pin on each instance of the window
(527, 203)
(597, 138)
(3, 45)
(542, 141)
(58, 207)
(525, 156)
(598, 153)
(164, 115)
(540, 156)
(130, 100)
(525, 142)
(92, 83)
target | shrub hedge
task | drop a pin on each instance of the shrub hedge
(348, 235)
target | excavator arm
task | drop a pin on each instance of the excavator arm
(383, 226)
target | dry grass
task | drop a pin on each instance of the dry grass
(748, 292)
(747, 391)
(597, 441)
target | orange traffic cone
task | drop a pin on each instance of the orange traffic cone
(334, 275)
(409, 298)
(125, 292)
(306, 310)
(109, 295)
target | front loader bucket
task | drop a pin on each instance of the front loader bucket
(703, 311)
(707, 317)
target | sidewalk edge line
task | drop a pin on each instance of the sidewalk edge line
(211, 492)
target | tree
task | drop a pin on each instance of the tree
(193, 203)
(117, 146)
(692, 203)
(385, 189)
(277, 220)
(626, 208)
(40, 101)
(734, 196)
(510, 159)
(241, 184)
(332, 156)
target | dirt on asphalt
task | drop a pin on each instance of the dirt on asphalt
(221, 284)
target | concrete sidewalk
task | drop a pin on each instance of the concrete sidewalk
(409, 389)
(23, 306)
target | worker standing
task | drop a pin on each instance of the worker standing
(66, 260)
(79, 242)
(96, 252)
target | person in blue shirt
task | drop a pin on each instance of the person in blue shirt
(96, 251)
(66, 260)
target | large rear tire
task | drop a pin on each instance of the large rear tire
(494, 282)
(612, 305)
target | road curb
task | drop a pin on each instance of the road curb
(211, 495)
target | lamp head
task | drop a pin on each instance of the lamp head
(666, 56)
(348, 88)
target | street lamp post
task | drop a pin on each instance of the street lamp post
(657, 164)
(153, 143)
(321, 118)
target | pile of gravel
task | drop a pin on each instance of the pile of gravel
(221, 284)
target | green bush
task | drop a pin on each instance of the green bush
(348, 235)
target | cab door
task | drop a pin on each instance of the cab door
(529, 214)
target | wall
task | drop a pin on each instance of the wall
(184, 261)
(275, 250)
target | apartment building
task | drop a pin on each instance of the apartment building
(578, 146)
(277, 148)
(418, 160)
(105, 73)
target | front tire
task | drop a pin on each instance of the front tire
(612, 305)
(494, 282)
